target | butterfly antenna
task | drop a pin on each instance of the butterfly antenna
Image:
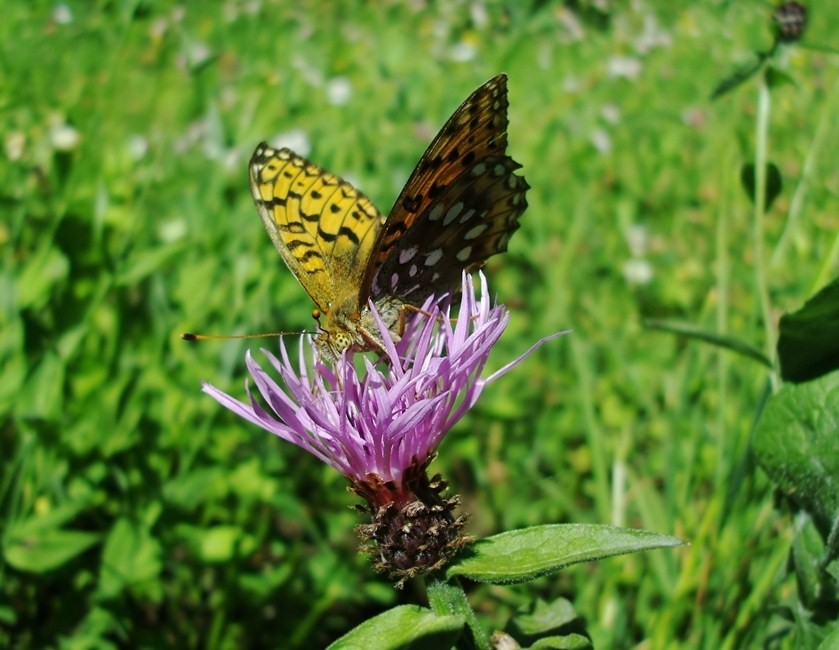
(192, 336)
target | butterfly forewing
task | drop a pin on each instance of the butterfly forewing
(323, 227)
(459, 207)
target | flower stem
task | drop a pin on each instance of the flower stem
(448, 598)
(761, 160)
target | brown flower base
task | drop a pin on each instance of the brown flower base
(414, 529)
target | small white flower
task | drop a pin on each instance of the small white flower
(462, 52)
(571, 84)
(611, 113)
(158, 28)
(601, 141)
(198, 53)
(252, 7)
(14, 144)
(192, 135)
(173, 230)
(64, 137)
(138, 147)
(231, 158)
(651, 36)
(296, 139)
(62, 15)
(637, 239)
(338, 91)
(626, 67)
(479, 14)
(570, 21)
(637, 271)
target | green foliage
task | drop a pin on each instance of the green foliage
(407, 627)
(795, 443)
(808, 346)
(135, 513)
(774, 183)
(522, 555)
(550, 625)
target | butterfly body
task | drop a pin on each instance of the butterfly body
(460, 206)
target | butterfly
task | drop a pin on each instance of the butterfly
(460, 206)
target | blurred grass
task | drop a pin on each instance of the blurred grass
(144, 227)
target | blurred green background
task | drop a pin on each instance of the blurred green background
(136, 512)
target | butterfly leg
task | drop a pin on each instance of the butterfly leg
(404, 315)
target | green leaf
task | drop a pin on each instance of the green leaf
(148, 262)
(193, 488)
(727, 342)
(831, 641)
(807, 554)
(12, 358)
(97, 629)
(543, 617)
(569, 642)
(739, 76)
(550, 625)
(796, 441)
(40, 274)
(43, 397)
(38, 544)
(53, 518)
(774, 183)
(808, 345)
(46, 550)
(131, 556)
(404, 627)
(778, 78)
(219, 543)
(526, 554)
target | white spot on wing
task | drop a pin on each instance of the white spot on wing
(476, 231)
(451, 215)
(406, 255)
(432, 257)
(467, 215)
(436, 212)
(464, 254)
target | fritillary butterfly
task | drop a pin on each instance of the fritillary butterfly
(460, 206)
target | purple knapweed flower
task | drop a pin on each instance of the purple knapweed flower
(381, 425)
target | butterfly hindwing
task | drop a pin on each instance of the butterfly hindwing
(472, 220)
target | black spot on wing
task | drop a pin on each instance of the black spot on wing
(412, 203)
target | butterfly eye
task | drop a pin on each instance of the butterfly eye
(316, 315)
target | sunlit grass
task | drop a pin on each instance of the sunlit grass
(144, 227)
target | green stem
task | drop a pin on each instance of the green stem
(723, 241)
(761, 159)
(448, 598)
